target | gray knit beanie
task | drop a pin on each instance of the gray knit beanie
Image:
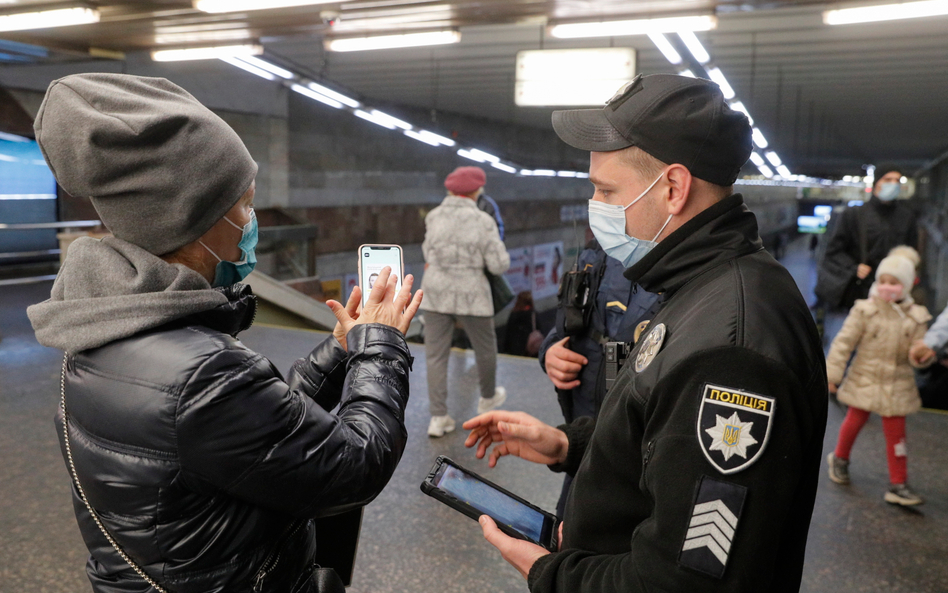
(160, 168)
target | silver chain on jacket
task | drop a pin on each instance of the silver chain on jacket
(82, 494)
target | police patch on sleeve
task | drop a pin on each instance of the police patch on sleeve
(711, 527)
(733, 427)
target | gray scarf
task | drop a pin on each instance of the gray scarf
(110, 289)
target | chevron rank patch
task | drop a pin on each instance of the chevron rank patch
(733, 427)
(714, 519)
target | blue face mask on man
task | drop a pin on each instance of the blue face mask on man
(228, 273)
(607, 222)
(889, 191)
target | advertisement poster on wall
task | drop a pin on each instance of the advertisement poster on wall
(547, 269)
(520, 272)
(351, 280)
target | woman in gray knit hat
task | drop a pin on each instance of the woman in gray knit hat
(196, 466)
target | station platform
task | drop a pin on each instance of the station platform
(410, 542)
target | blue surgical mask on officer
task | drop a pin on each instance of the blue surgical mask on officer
(228, 273)
(607, 222)
(889, 191)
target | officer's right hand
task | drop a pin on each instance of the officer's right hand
(563, 365)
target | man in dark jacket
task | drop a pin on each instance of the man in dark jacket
(700, 471)
(571, 354)
(862, 237)
(195, 466)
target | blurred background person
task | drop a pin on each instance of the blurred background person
(880, 379)
(863, 236)
(195, 465)
(461, 242)
(521, 337)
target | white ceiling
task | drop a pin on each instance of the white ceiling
(829, 99)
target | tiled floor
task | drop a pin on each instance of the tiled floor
(409, 542)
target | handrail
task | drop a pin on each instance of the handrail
(65, 224)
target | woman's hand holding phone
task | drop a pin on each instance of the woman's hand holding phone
(383, 306)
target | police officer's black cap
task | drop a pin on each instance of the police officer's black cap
(676, 119)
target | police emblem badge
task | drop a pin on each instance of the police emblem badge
(650, 347)
(733, 427)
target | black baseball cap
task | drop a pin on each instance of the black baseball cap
(676, 119)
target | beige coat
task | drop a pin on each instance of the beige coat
(461, 242)
(880, 378)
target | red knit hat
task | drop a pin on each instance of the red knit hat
(465, 180)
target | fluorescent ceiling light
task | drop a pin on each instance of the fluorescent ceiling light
(718, 77)
(470, 155)
(205, 53)
(695, 47)
(688, 73)
(544, 173)
(773, 158)
(487, 157)
(48, 18)
(316, 96)
(379, 116)
(436, 138)
(334, 95)
(503, 167)
(249, 68)
(526, 172)
(582, 175)
(767, 172)
(271, 68)
(759, 139)
(738, 106)
(756, 159)
(634, 27)
(566, 173)
(393, 41)
(421, 138)
(665, 47)
(784, 171)
(13, 137)
(239, 5)
(886, 12)
(562, 77)
(903, 179)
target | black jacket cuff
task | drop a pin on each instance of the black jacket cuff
(578, 432)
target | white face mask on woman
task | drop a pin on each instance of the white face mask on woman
(889, 191)
(607, 222)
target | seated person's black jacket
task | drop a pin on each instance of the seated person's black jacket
(204, 462)
(734, 319)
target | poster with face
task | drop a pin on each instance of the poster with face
(547, 269)
(520, 272)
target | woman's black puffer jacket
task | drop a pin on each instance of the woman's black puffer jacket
(206, 465)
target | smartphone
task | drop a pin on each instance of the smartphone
(372, 258)
(465, 491)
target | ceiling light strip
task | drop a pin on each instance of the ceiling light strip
(392, 41)
(242, 5)
(336, 100)
(886, 12)
(634, 27)
(63, 17)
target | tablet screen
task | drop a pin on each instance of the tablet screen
(489, 501)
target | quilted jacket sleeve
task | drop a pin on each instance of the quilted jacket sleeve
(243, 430)
(844, 344)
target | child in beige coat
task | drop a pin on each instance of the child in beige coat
(881, 329)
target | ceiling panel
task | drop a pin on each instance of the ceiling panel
(829, 99)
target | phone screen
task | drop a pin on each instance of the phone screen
(501, 507)
(372, 258)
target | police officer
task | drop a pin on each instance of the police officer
(597, 304)
(702, 469)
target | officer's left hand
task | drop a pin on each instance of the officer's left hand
(520, 554)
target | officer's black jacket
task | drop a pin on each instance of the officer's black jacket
(203, 462)
(734, 320)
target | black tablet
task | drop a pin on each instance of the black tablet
(472, 495)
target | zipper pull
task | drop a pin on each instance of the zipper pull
(258, 582)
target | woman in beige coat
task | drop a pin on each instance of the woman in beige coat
(881, 329)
